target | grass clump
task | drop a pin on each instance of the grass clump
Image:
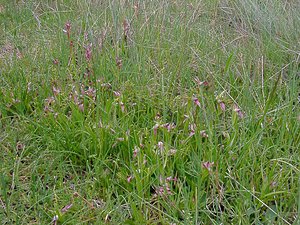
(159, 112)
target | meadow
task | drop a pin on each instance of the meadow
(149, 112)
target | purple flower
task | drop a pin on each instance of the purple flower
(155, 128)
(160, 145)
(169, 126)
(203, 134)
(55, 61)
(122, 106)
(66, 208)
(200, 83)
(172, 151)
(129, 178)
(91, 92)
(192, 129)
(222, 106)
(49, 101)
(119, 62)
(135, 151)
(196, 101)
(20, 146)
(238, 111)
(68, 26)
(68, 29)
(117, 93)
(55, 90)
(88, 52)
(208, 165)
(163, 190)
(81, 107)
(54, 220)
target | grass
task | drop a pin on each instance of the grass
(149, 112)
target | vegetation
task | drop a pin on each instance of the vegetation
(149, 112)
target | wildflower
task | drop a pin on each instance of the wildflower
(117, 141)
(172, 151)
(54, 220)
(55, 90)
(186, 117)
(129, 178)
(28, 86)
(169, 126)
(273, 184)
(208, 165)
(88, 52)
(160, 191)
(106, 85)
(203, 134)
(99, 203)
(238, 111)
(15, 100)
(102, 38)
(145, 160)
(192, 129)
(68, 26)
(163, 190)
(161, 179)
(20, 146)
(222, 106)
(68, 29)
(75, 98)
(157, 116)
(135, 151)
(170, 178)
(200, 83)
(82, 89)
(122, 106)
(46, 109)
(66, 208)
(81, 107)
(117, 93)
(196, 101)
(160, 145)
(91, 92)
(126, 28)
(86, 36)
(155, 128)
(55, 62)
(49, 100)
(119, 62)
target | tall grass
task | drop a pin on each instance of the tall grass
(149, 112)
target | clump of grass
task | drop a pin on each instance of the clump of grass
(149, 112)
